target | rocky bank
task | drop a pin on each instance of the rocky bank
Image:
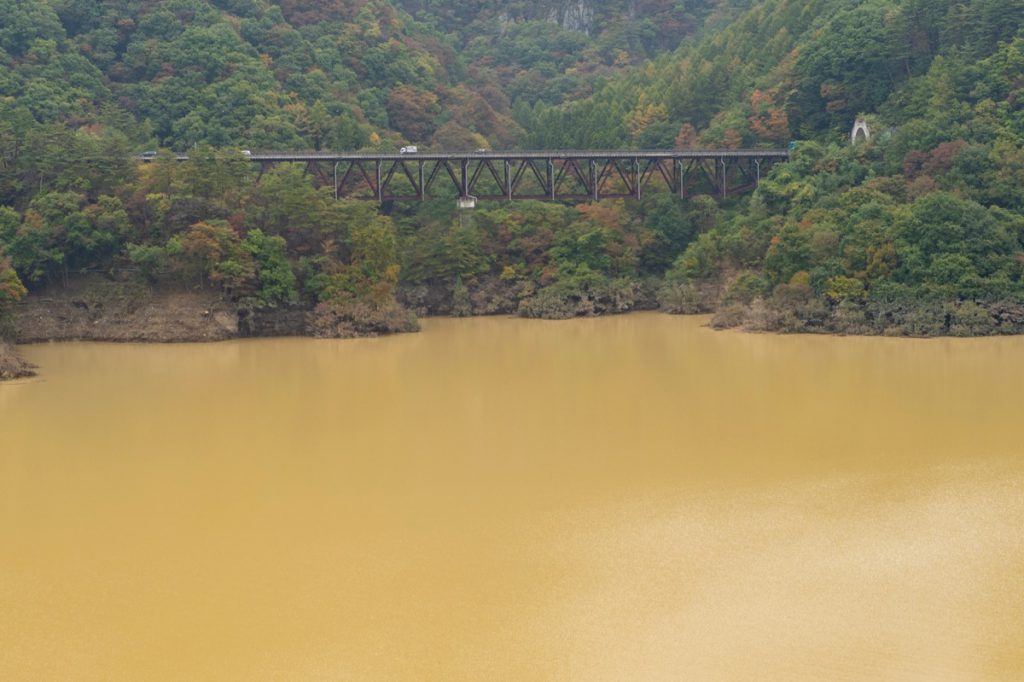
(96, 309)
(12, 366)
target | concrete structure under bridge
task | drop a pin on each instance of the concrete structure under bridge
(544, 175)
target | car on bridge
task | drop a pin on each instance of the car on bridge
(411, 149)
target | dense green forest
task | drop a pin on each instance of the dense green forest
(918, 231)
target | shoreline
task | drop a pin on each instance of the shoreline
(130, 337)
(95, 309)
(13, 366)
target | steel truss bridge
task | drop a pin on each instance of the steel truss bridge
(552, 176)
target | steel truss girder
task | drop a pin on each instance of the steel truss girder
(552, 178)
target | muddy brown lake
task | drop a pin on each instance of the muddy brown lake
(625, 498)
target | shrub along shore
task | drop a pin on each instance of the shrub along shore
(12, 366)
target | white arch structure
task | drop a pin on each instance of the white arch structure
(860, 128)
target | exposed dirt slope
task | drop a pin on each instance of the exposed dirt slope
(95, 309)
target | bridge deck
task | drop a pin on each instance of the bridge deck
(284, 157)
(550, 175)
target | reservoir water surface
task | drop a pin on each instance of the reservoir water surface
(628, 498)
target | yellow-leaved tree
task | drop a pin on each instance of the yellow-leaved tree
(11, 291)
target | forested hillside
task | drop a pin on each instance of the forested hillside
(918, 231)
(342, 74)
